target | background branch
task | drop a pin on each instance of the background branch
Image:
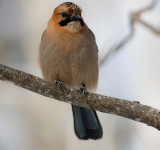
(132, 110)
(134, 18)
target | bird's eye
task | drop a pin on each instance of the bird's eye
(64, 14)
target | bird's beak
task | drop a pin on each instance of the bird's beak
(76, 17)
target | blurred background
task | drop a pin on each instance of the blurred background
(29, 121)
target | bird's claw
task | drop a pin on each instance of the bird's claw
(59, 85)
(83, 90)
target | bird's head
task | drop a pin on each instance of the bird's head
(67, 16)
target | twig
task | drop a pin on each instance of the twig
(132, 110)
(155, 31)
(134, 18)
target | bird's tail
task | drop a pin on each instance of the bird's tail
(86, 123)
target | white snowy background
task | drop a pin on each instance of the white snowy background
(29, 121)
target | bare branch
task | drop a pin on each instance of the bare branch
(132, 110)
(155, 31)
(116, 48)
(135, 17)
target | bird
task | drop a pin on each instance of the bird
(68, 55)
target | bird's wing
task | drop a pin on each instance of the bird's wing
(93, 36)
(43, 34)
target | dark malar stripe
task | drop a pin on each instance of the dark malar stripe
(67, 20)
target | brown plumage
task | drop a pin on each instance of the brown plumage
(68, 52)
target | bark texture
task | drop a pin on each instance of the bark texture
(128, 109)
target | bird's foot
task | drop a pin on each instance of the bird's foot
(60, 85)
(83, 90)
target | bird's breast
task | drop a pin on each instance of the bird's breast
(73, 60)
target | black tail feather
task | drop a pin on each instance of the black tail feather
(86, 123)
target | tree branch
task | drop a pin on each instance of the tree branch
(134, 18)
(131, 110)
